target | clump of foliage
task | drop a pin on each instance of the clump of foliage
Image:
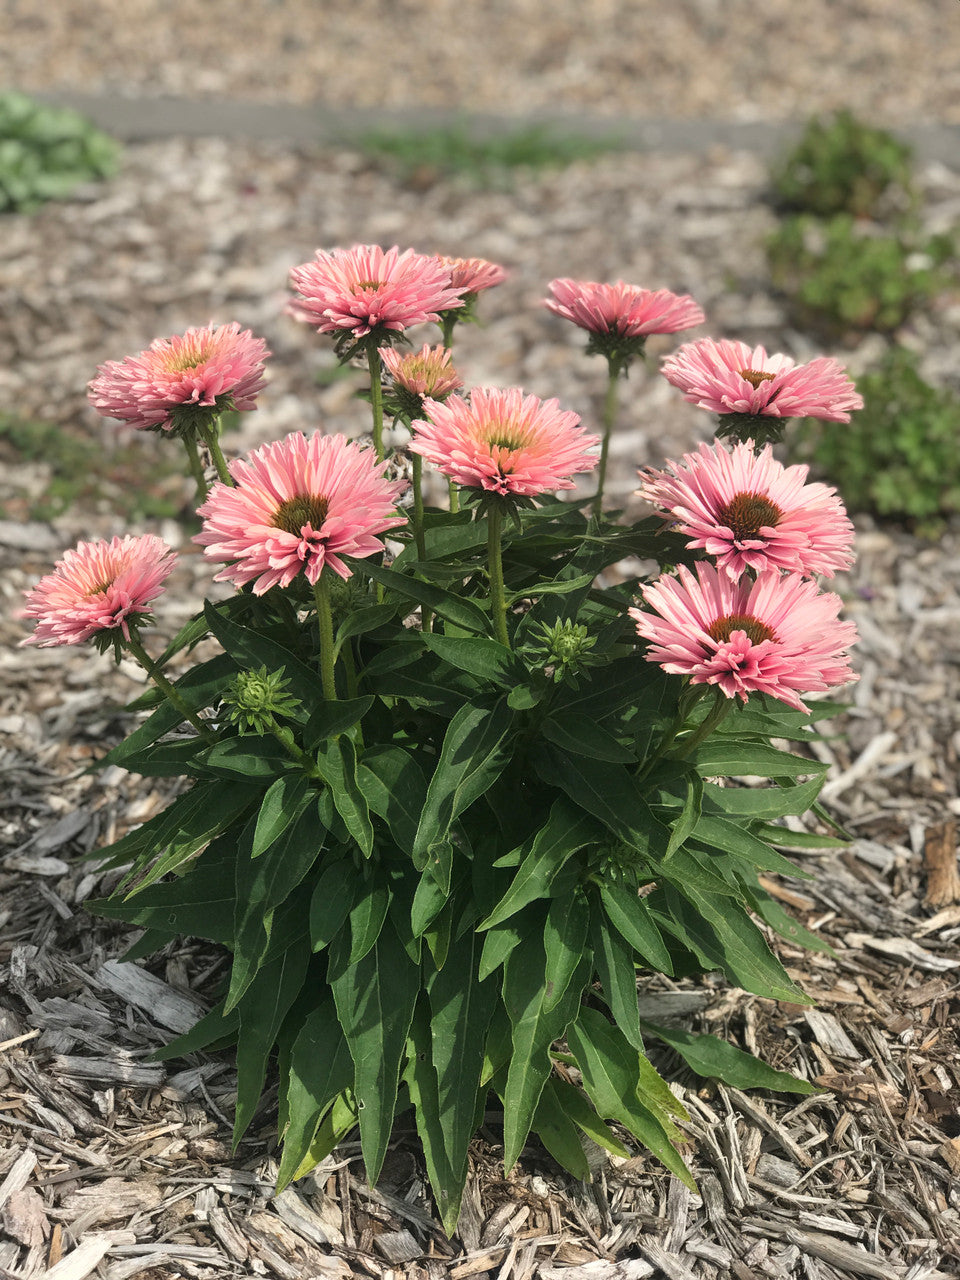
(900, 456)
(422, 157)
(82, 473)
(46, 151)
(841, 278)
(842, 165)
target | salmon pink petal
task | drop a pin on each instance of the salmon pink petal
(297, 506)
(621, 308)
(751, 512)
(777, 634)
(99, 588)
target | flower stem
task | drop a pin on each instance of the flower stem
(196, 467)
(498, 605)
(136, 650)
(418, 505)
(448, 324)
(609, 413)
(454, 490)
(376, 399)
(321, 594)
(717, 712)
(211, 438)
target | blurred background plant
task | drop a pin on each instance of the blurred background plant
(420, 157)
(45, 152)
(899, 457)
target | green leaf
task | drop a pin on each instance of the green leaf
(394, 787)
(248, 756)
(558, 1133)
(764, 802)
(566, 830)
(201, 686)
(429, 899)
(361, 621)
(711, 1057)
(261, 885)
(337, 765)
(718, 755)
(284, 802)
(332, 901)
(630, 916)
(486, 659)
(199, 904)
(473, 755)
(723, 936)
(333, 718)
(166, 759)
(461, 1008)
(686, 823)
(250, 650)
(576, 732)
(420, 1078)
(375, 1001)
(618, 977)
(611, 794)
(611, 1076)
(262, 1011)
(498, 942)
(209, 809)
(787, 838)
(534, 1029)
(564, 943)
(320, 1069)
(559, 587)
(367, 917)
(577, 1106)
(454, 608)
(732, 838)
(212, 1027)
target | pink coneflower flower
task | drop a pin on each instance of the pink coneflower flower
(299, 505)
(182, 381)
(504, 442)
(99, 589)
(622, 309)
(776, 634)
(427, 372)
(751, 512)
(354, 292)
(729, 377)
(473, 275)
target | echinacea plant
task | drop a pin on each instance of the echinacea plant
(450, 782)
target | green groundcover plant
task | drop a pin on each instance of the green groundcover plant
(900, 457)
(451, 778)
(46, 151)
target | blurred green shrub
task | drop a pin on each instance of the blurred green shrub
(841, 277)
(842, 165)
(421, 157)
(47, 151)
(899, 457)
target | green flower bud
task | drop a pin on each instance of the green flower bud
(256, 698)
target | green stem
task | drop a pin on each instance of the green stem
(284, 736)
(498, 604)
(136, 650)
(454, 490)
(211, 438)
(418, 505)
(196, 467)
(609, 413)
(376, 399)
(717, 712)
(321, 594)
(448, 324)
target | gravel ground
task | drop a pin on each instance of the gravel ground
(895, 62)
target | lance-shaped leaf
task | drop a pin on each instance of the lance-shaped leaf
(711, 1057)
(720, 755)
(566, 830)
(564, 943)
(763, 802)
(420, 1077)
(576, 732)
(333, 898)
(630, 916)
(261, 885)
(250, 651)
(478, 656)
(320, 1069)
(473, 755)
(559, 1134)
(394, 787)
(375, 1000)
(686, 823)
(733, 838)
(333, 718)
(337, 765)
(612, 1076)
(457, 609)
(208, 809)
(534, 1029)
(262, 1011)
(618, 977)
